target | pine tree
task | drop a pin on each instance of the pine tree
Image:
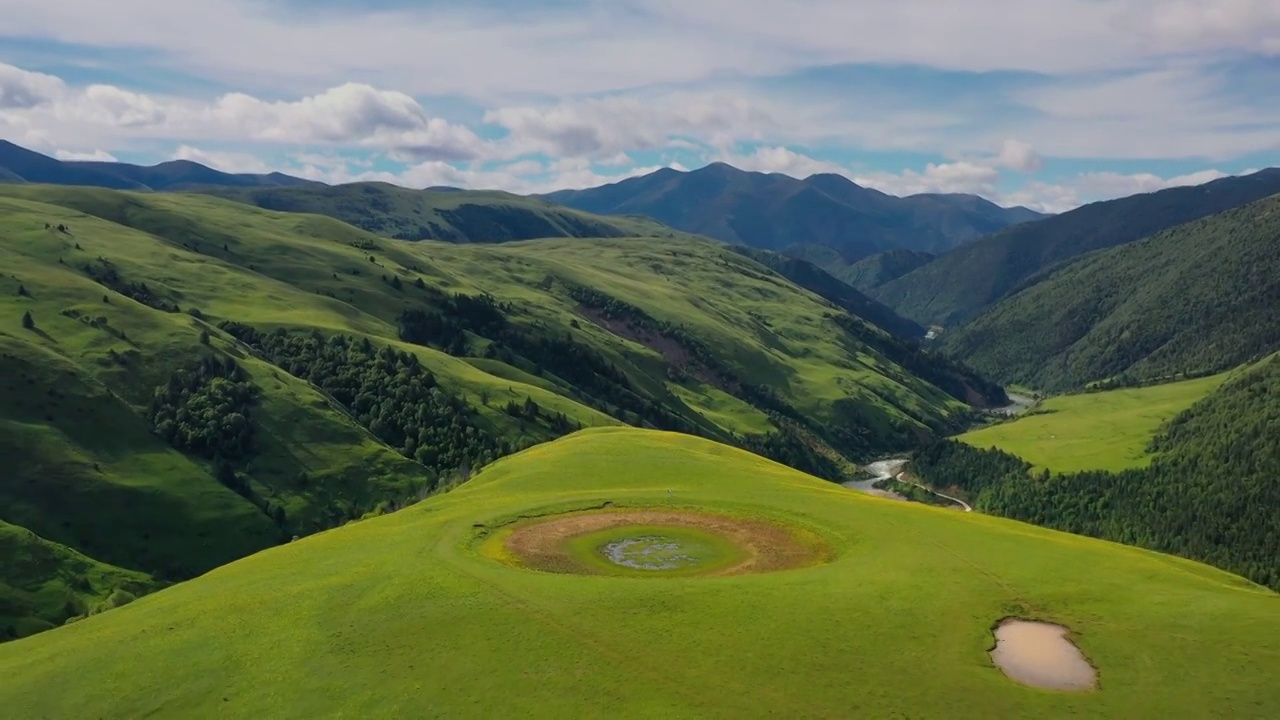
(28, 322)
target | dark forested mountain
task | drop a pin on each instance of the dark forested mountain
(1194, 299)
(959, 285)
(871, 272)
(775, 212)
(18, 164)
(445, 214)
(1210, 494)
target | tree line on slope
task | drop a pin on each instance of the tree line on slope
(459, 323)
(388, 393)
(1210, 493)
(1194, 300)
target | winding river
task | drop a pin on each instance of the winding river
(886, 469)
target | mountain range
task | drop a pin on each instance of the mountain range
(18, 164)
(778, 212)
(768, 211)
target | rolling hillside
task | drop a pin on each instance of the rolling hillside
(1206, 488)
(960, 285)
(426, 612)
(776, 212)
(268, 375)
(1196, 299)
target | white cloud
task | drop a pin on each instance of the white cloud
(225, 161)
(1095, 186)
(783, 160)
(109, 105)
(349, 114)
(23, 89)
(591, 46)
(1109, 184)
(608, 127)
(957, 177)
(44, 111)
(1019, 156)
(96, 155)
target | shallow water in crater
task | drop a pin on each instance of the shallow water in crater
(650, 552)
(1040, 655)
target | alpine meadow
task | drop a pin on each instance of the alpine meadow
(639, 360)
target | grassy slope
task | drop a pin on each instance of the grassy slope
(165, 512)
(1095, 431)
(959, 285)
(451, 215)
(399, 616)
(1198, 298)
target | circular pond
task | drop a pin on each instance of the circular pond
(657, 543)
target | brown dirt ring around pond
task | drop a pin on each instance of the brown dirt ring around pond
(540, 543)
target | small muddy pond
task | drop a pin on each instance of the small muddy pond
(1040, 655)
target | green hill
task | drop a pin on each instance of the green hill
(424, 613)
(1109, 430)
(1193, 300)
(201, 379)
(1208, 490)
(959, 285)
(459, 216)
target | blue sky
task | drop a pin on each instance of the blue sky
(1048, 104)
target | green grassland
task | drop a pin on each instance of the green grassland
(401, 615)
(88, 472)
(1109, 430)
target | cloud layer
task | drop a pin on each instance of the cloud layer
(1052, 105)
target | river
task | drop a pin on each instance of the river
(885, 469)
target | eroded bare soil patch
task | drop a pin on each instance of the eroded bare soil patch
(541, 544)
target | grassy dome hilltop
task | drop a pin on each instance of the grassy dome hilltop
(415, 614)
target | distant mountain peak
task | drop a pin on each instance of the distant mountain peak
(774, 211)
